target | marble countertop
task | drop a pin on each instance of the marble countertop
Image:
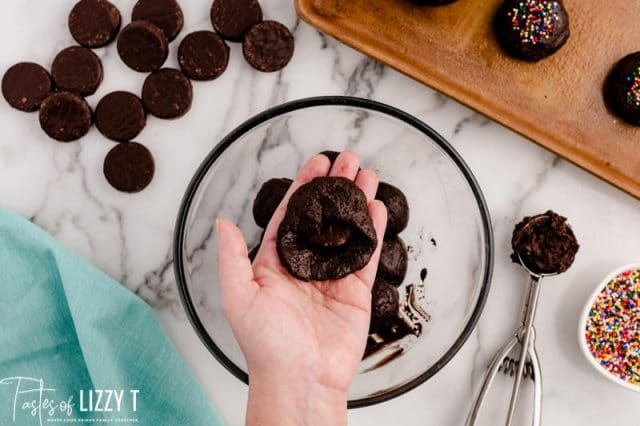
(60, 187)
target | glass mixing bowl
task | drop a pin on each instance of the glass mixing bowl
(449, 232)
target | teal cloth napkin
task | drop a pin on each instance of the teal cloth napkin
(90, 343)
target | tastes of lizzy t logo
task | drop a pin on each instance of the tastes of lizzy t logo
(31, 400)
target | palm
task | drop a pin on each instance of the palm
(315, 330)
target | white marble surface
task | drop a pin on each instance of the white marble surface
(61, 188)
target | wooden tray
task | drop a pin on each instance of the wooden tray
(556, 102)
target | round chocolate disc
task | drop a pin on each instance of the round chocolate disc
(397, 208)
(268, 46)
(233, 18)
(94, 23)
(167, 93)
(203, 55)
(394, 261)
(165, 14)
(622, 89)
(77, 69)
(65, 116)
(143, 46)
(120, 116)
(268, 199)
(25, 85)
(544, 243)
(129, 167)
(385, 303)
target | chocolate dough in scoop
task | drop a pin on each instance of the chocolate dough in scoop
(545, 242)
(327, 232)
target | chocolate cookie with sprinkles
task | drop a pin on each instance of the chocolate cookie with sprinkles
(532, 29)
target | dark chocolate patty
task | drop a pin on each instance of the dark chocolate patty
(385, 302)
(129, 167)
(120, 116)
(393, 261)
(164, 14)
(268, 199)
(77, 69)
(167, 93)
(203, 55)
(65, 116)
(142, 46)
(532, 29)
(397, 208)
(545, 243)
(312, 210)
(268, 46)
(94, 23)
(622, 89)
(25, 85)
(233, 18)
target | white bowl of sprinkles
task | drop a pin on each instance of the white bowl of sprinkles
(609, 331)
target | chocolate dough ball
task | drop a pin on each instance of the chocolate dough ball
(622, 89)
(532, 29)
(313, 209)
(268, 199)
(385, 302)
(397, 208)
(545, 243)
(394, 261)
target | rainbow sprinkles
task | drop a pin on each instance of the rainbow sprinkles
(613, 327)
(535, 20)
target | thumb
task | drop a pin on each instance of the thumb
(235, 273)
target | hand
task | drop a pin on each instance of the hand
(302, 340)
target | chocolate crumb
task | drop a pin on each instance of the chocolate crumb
(423, 274)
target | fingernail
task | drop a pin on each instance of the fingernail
(217, 224)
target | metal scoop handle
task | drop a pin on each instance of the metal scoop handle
(493, 371)
(526, 337)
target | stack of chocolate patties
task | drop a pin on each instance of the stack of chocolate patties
(143, 46)
(386, 323)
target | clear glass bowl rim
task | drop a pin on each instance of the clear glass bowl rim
(341, 101)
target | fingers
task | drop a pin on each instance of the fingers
(317, 166)
(378, 213)
(346, 165)
(367, 180)
(235, 273)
